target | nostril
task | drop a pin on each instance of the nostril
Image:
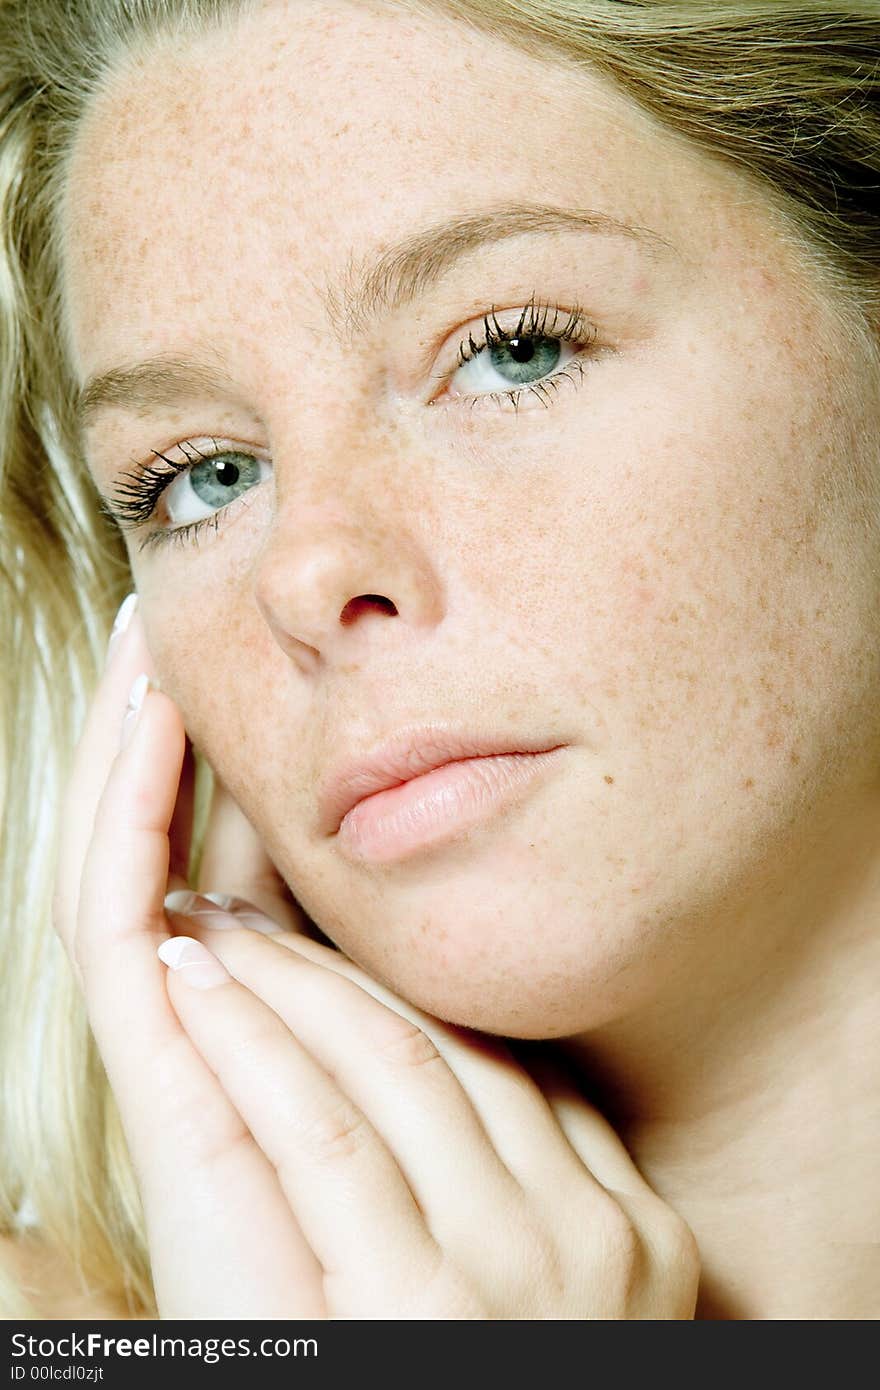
(354, 606)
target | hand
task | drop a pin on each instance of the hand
(306, 1144)
(222, 1239)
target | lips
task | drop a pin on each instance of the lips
(410, 753)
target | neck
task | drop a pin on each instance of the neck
(750, 1097)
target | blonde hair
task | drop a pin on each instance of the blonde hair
(788, 90)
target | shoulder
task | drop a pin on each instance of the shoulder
(49, 1283)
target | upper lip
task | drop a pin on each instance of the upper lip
(410, 753)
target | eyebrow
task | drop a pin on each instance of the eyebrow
(368, 289)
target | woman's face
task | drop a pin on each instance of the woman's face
(656, 560)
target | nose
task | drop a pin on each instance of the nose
(338, 578)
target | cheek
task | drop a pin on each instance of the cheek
(688, 598)
(211, 662)
(692, 553)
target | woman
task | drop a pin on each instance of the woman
(506, 377)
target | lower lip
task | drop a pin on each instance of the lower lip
(437, 806)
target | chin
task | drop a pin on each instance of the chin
(519, 935)
(518, 1011)
(515, 983)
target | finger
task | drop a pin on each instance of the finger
(478, 1211)
(590, 1134)
(235, 863)
(522, 1126)
(571, 1186)
(189, 1145)
(392, 1071)
(341, 1180)
(94, 756)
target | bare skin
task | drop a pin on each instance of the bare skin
(307, 1145)
(671, 569)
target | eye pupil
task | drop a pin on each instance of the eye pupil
(530, 351)
(220, 468)
(521, 349)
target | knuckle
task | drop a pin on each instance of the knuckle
(547, 1269)
(620, 1239)
(679, 1250)
(648, 1246)
(339, 1132)
(214, 1138)
(404, 1045)
(667, 1235)
(222, 1150)
(447, 1294)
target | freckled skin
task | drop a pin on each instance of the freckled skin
(657, 569)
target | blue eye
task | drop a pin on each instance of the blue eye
(215, 479)
(525, 356)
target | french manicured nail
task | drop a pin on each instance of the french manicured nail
(193, 962)
(133, 709)
(219, 911)
(121, 622)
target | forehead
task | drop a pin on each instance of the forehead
(235, 173)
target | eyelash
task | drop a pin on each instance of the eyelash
(578, 330)
(134, 502)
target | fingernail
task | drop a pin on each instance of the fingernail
(195, 964)
(121, 622)
(133, 709)
(224, 912)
